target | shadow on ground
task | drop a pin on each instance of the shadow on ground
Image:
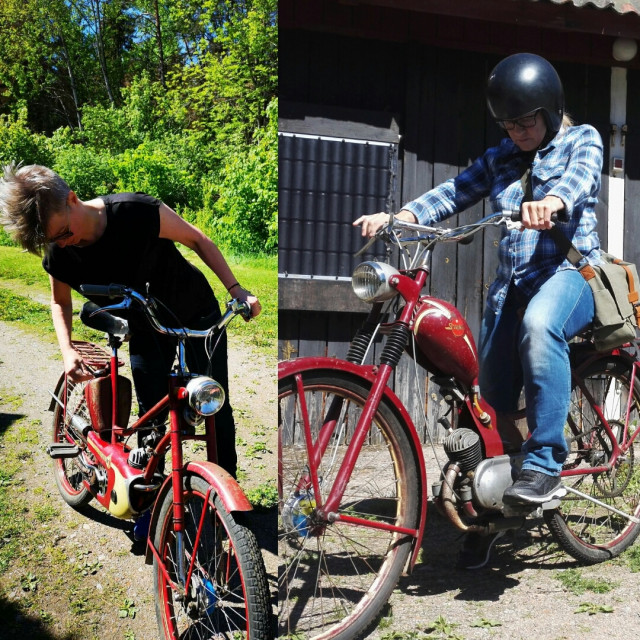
(7, 419)
(436, 572)
(17, 625)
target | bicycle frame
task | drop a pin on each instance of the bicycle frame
(107, 452)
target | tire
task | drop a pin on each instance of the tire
(229, 594)
(586, 531)
(336, 576)
(67, 472)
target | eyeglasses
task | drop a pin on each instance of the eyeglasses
(526, 122)
(65, 234)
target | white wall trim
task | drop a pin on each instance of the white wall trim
(618, 117)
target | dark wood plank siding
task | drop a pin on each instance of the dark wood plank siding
(436, 96)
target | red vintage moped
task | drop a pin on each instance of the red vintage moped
(209, 576)
(352, 479)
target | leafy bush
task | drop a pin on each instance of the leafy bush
(87, 172)
(147, 108)
(5, 239)
(18, 144)
(108, 129)
(247, 208)
(147, 169)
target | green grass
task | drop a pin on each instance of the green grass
(258, 274)
(573, 580)
(264, 497)
(32, 568)
(24, 272)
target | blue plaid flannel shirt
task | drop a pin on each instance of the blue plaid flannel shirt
(569, 167)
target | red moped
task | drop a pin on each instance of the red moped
(209, 576)
(352, 479)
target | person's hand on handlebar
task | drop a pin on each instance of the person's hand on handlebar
(372, 223)
(242, 294)
(537, 213)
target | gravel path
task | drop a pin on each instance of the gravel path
(530, 590)
(28, 368)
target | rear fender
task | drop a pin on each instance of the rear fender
(223, 483)
(583, 355)
(53, 404)
(367, 374)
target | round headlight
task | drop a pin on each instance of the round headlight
(206, 396)
(370, 281)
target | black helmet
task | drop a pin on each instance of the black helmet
(522, 84)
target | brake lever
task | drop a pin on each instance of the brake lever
(240, 307)
(124, 305)
(366, 246)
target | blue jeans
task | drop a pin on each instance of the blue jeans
(526, 345)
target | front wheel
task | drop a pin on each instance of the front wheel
(68, 472)
(339, 571)
(227, 594)
(591, 531)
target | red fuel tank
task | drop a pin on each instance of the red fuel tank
(444, 337)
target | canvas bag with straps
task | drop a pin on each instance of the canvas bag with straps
(614, 284)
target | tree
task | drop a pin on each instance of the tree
(228, 88)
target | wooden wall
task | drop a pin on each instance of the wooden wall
(434, 96)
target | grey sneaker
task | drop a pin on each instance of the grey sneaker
(534, 487)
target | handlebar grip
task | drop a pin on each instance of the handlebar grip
(108, 290)
(558, 216)
(244, 309)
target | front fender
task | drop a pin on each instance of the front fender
(223, 483)
(367, 373)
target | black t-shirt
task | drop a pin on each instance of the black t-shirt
(129, 252)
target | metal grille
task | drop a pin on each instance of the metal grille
(325, 184)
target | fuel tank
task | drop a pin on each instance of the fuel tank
(444, 339)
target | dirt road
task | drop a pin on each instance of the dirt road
(88, 577)
(530, 590)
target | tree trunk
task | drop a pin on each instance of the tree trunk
(161, 62)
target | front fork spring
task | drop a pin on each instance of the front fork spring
(360, 344)
(394, 347)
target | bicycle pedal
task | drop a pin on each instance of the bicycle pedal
(57, 450)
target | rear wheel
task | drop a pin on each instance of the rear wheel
(337, 575)
(68, 471)
(228, 595)
(588, 531)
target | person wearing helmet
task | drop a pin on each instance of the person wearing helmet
(538, 301)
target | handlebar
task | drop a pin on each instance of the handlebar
(107, 290)
(424, 238)
(428, 235)
(425, 234)
(233, 307)
(558, 216)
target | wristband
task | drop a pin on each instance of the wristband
(235, 284)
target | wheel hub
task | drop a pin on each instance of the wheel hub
(203, 598)
(299, 515)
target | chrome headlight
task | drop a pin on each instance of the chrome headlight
(370, 281)
(206, 396)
